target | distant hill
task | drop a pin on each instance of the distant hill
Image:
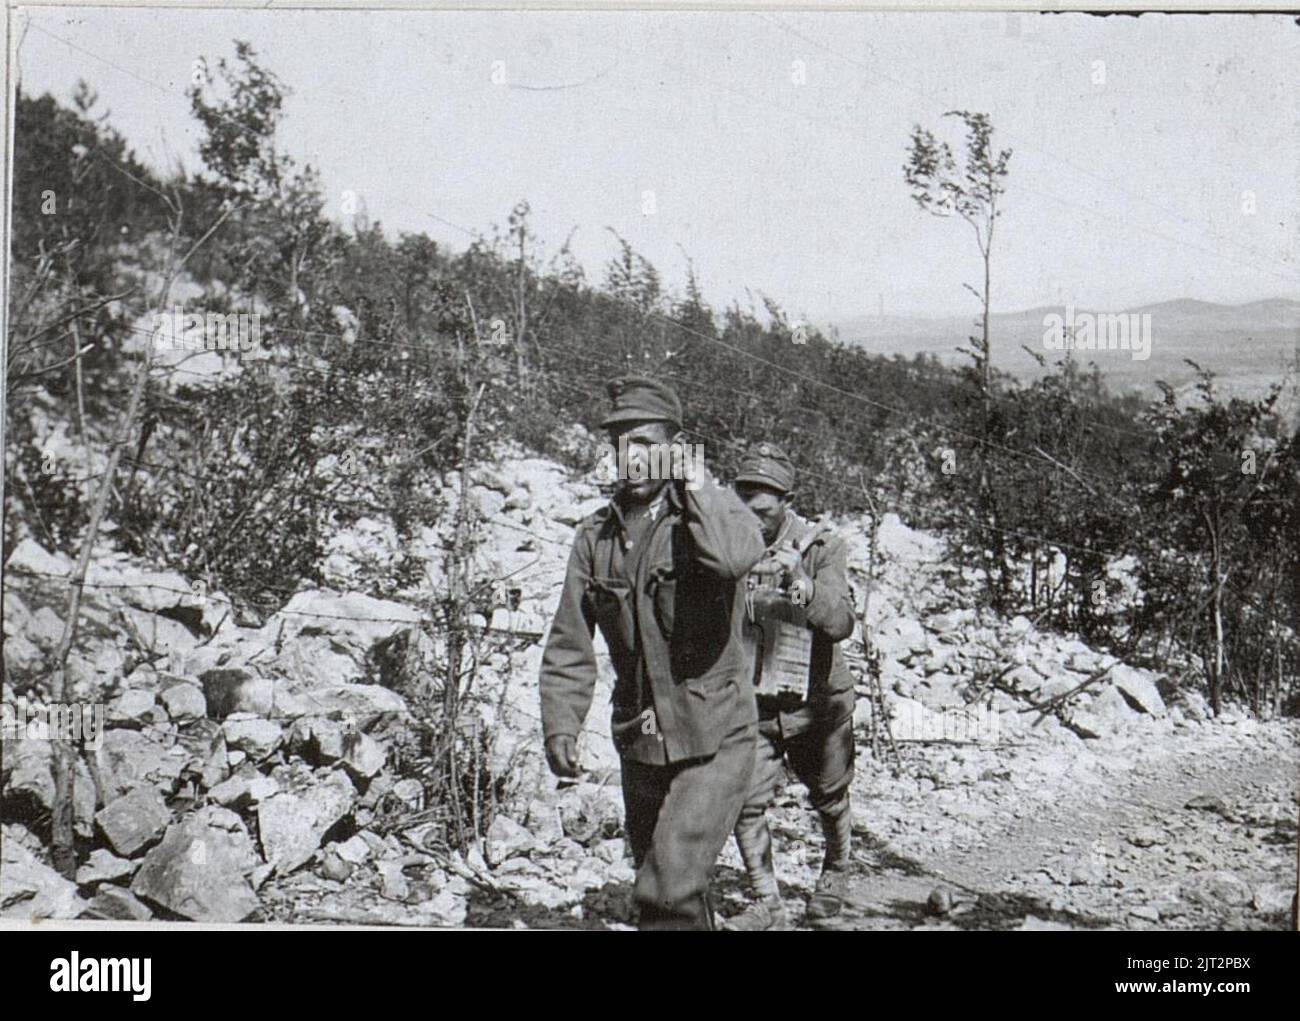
(1249, 346)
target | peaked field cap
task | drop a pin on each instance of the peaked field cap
(641, 399)
(766, 464)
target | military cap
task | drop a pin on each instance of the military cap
(767, 465)
(641, 399)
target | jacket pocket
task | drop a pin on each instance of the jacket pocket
(662, 584)
(711, 685)
(608, 596)
(624, 732)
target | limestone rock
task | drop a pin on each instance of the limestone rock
(353, 619)
(116, 904)
(1208, 803)
(142, 588)
(1146, 836)
(184, 702)
(507, 839)
(205, 742)
(1220, 887)
(134, 706)
(292, 825)
(30, 558)
(323, 741)
(1086, 873)
(198, 871)
(163, 634)
(128, 758)
(362, 704)
(309, 662)
(22, 655)
(544, 822)
(354, 850)
(45, 628)
(1027, 680)
(133, 821)
(942, 623)
(394, 885)
(410, 792)
(1272, 899)
(1057, 686)
(333, 867)
(1138, 689)
(1087, 724)
(29, 779)
(256, 737)
(103, 866)
(940, 901)
(1105, 715)
(611, 852)
(30, 889)
(243, 791)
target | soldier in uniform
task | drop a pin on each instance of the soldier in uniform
(799, 608)
(660, 570)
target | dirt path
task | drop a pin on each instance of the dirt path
(1108, 845)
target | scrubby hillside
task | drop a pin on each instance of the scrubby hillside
(280, 770)
(319, 659)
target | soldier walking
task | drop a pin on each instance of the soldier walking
(799, 608)
(660, 570)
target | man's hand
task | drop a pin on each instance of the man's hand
(788, 562)
(562, 755)
(778, 561)
(789, 558)
(697, 476)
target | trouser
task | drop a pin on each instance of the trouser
(820, 749)
(678, 818)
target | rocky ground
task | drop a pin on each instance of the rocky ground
(263, 769)
(1190, 828)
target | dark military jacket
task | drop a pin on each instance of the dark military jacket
(671, 614)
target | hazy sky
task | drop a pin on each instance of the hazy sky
(1136, 141)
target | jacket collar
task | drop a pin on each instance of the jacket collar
(792, 528)
(671, 502)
